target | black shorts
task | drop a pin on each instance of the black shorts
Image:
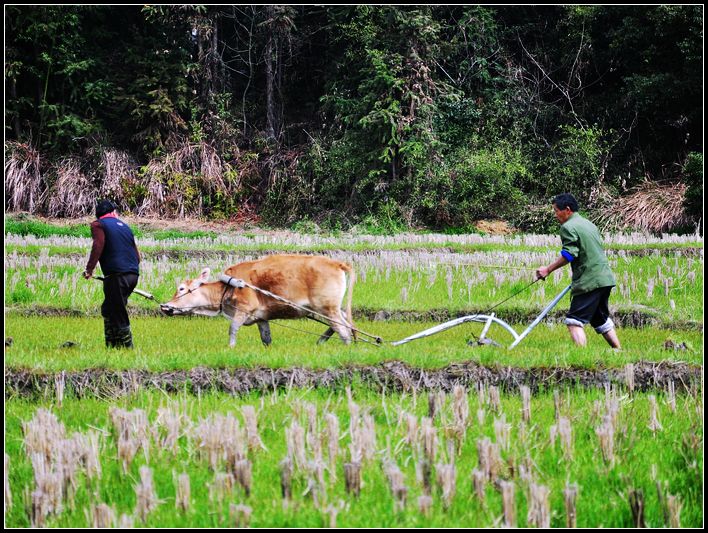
(592, 307)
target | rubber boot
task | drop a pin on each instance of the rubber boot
(109, 332)
(124, 337)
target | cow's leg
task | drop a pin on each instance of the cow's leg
(340, 326)
(346, 321)
(325, 336)
(237, 321)
(264, 329)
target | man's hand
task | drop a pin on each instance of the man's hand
(542, 272)
(87, 275)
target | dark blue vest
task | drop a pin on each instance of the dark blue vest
(119, 253)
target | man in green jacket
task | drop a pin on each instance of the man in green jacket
(592, 278)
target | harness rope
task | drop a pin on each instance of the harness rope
(377, 340)
(223, 304)
(506, 300)
(302, 308)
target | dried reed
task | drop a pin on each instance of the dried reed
(352, 478)
(295, 438)
(636, 503)
(425, 505)
(671, 396)
(629, 377)
(332, 434)
(25, 189)
(508, 503)
(59, 384)
(502, 431)
(447, 481)
(539, 511)
(606, 435)
(243, 473)
(146, 498)
(674, 506)
(570, 495)
(182, 492)
(397, 485)
(103, 516)
(73, 194)
(526, 400)
(654, 424)
(494, 400)
(479, 483)
(240, 515)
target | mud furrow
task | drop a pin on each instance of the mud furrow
(392, 376)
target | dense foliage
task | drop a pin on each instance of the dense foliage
(385, 116)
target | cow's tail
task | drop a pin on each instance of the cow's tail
(352, 281)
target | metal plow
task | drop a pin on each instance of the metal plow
(487, 320)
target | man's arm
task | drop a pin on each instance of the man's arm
(544, 271)
(99, 241)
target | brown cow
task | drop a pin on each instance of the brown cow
(316, 283)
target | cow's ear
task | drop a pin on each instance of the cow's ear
(204, 276)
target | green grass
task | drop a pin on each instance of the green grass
(38, 228)
(179, 242)
(602, 500)
(43, 229)
(56, 282)
(48, 276)
(181, 343)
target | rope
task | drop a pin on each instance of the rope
(302, 308)
(378, 340)
(510, 297)
(236, 308)
(505, 300)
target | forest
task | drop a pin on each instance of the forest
(385, 117)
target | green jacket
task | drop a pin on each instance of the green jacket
(581, 240)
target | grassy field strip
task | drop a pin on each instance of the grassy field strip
(691, 249)
(319, 458)
(667, 286)
(315, 242)
(182, 343)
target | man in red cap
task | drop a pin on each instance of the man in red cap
(115, 249)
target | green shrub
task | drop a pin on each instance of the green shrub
(387, 220)
(474, 184)
(573, 164)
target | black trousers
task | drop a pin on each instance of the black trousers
(116, 290)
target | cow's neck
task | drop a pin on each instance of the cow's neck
(212, 293)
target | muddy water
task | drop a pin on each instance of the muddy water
(391, 376)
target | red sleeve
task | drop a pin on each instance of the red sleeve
(99, 240)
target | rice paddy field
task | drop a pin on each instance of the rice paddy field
(183, 431)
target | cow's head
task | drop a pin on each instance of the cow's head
(189, 299)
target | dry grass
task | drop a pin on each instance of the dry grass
(652, 206)
(73, 194)
(116, 167)
(25, 188)
(173, 181)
